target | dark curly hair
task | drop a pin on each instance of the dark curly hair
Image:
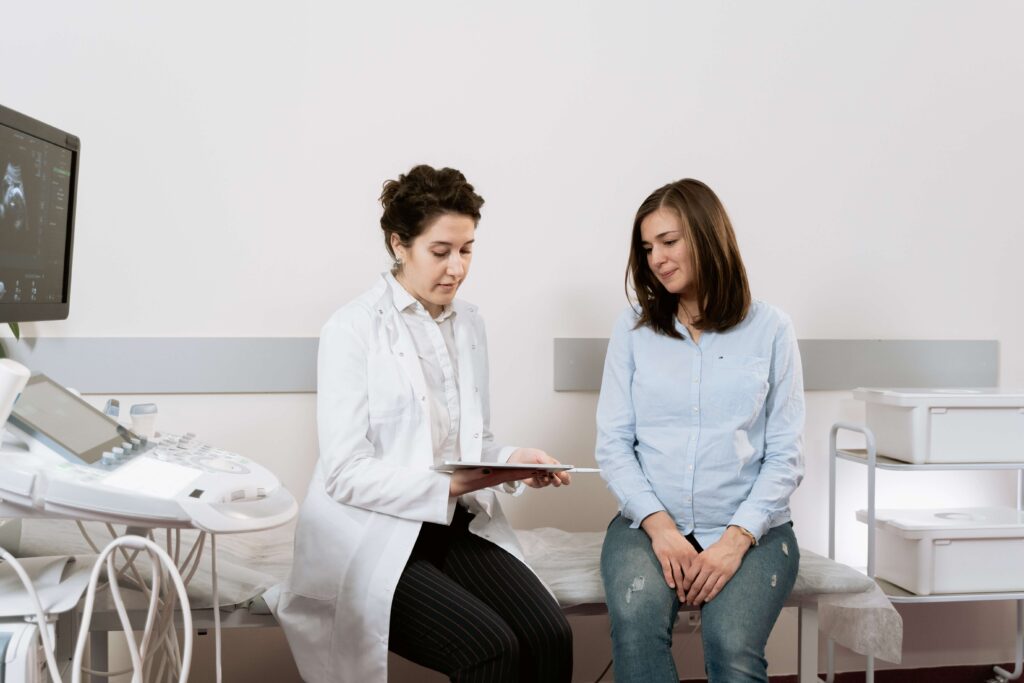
(413, 201)
(723, 295)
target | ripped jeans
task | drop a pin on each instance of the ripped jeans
(735, 625)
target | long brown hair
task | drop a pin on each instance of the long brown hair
(723, 295)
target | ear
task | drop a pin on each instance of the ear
(396, 246)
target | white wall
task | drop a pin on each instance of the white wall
(870, 155)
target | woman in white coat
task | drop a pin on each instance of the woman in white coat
(389, 553)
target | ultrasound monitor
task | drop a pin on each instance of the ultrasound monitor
(38, 180)
(49, 414)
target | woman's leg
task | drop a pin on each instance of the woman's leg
(642, 607)
(737, 623)
(438, 624)
(508, 587)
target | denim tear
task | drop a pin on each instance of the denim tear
(785, 549)
(775, 580)
(635, 587)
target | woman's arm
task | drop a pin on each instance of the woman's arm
(616, 429)
(353, 473)
(783, 466)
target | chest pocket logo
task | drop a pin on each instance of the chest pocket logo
(739, 386)
(389, 391)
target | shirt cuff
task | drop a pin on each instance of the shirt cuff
(752, 520)
(438, 492)
(640, 507)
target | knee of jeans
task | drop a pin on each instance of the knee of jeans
(642, 602)
(731, 641)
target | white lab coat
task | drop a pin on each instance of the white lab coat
(373, 486)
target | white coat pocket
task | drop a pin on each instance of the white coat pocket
(389, 392)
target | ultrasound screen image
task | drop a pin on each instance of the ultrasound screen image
(35, 194)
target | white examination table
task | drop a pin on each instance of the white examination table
(832, 598)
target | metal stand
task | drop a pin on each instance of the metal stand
(869, 456)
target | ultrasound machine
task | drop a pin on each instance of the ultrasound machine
(62, 458)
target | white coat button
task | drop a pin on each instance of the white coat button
(401, 354)
(476, 436)
(423, 398)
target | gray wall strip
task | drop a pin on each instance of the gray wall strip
(173, 365)
(186, 365)
(829, 364)
(579, 364)
(834, 364)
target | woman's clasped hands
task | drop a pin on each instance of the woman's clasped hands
(696, 577)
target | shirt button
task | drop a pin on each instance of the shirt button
(423, 398)
(696, 380)
(695, 409)
(690, 468)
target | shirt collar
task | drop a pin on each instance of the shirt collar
(405, 301)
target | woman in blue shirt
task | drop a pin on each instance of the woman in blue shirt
(700, 424)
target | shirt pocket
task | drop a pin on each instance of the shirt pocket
(736, 389)
(389, 392)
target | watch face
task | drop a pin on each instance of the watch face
(49, 412)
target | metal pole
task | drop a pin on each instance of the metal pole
(1018, 665)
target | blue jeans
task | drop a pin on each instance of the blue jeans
(735, 625)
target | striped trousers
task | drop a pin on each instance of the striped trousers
(469, 609)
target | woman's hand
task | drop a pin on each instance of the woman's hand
(532, 456)
(673, 551)
(715, 566)
(469, 480)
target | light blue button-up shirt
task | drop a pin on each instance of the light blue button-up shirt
(711, 432)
